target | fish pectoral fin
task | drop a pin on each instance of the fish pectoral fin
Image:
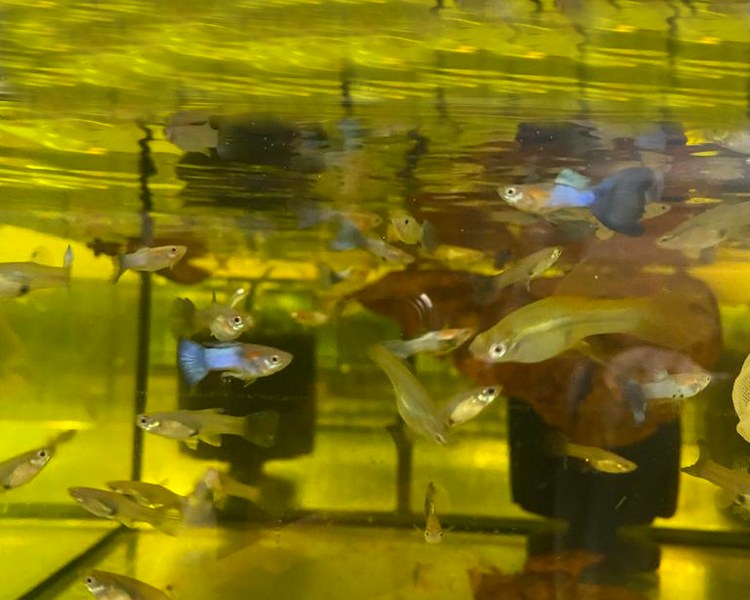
(249, 381)
(211, 439)
(191, 443)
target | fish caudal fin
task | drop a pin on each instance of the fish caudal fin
(192, 359)
(429, 239)
(696, 470)
(397, 347)
(620, 200)
(181, 317)
(118, 262)
(348, 238)
(168, 520)
(260, 428)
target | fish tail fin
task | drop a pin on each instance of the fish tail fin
(260, 428)
(397, 347)
(429, 239)
(168, 520)
(62, 437)
(118, 262)
(348, 237)
(620, 200)
(633, 393)
(674, 320)
(696, 469)
(181, 317)
(192, 359)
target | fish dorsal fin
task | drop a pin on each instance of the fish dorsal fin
(211, 411)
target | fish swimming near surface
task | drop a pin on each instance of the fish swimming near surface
(147, 494)
(741, 399)
(225, 323)
(111, 586)
(147, 259)
(407, 229)
(16, 471)
(707, 229)
(412, 401)
(598, 459)
(434, 342)
(350, 237)
(734, 481)
(312, 213)
(433, 531)
(241, 361)
(19, 278)
(466, 405)
(545, 328)
(111, 505)
(208, 425)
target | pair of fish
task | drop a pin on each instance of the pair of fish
(225, 322)
(236, 360)
(418, 410)
(643, 374)
(597, 458)
(19, 278)
(126, 510)
(209, 425)
(112, 586)
(543, 329)
(19, 470)
(147, 260)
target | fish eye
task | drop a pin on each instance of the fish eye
(498, 350)
(490, 391)
(89, 580)
(173, 250)
(274, 358)
(42, 454)
(406, 221)
(237, 320)
(511, 191)
(143, 420)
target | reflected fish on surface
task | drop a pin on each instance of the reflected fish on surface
(111, 586)
(349, 237)
(225, 323)
(707, 229)
(412, 401)
(407, 229)
(433, 531)
(191, 131)
(245, 362)
(741, 399)
(21, 469)
(208, 425)
(20, 278)
(545, 328)
(435, 342)
(152, 495)
(147, 259)
(464, 406)
(111, 505)
(312, 213)
(734, 481)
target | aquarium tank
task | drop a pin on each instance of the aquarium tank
(374, 299)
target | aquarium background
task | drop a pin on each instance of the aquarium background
(402, 104)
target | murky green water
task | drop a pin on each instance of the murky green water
(268, 138)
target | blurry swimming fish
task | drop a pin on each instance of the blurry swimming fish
(527, 268)
(21, 469)
(707, 229)
(741, 399)
(407, 229)
(435, 342)
(412, 401)
(734, 481)
(117, 507)
(225, 323)
(310, 318)
(241, 361)
(208, 425)
(599, 459)
(464, 406)
(191, 131)
(111, 586)
(222, 485)
(433, 531)
(312, 213)
(545, 328)
(148, 259)
(350, 237)
(457, 257)
(20, 278)
(152, 495)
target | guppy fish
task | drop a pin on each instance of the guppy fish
(117, 507)
(741, 399)
(350, 237)
(412, 401)
(208, 425)
(464, 406)
(435, 342)
(20, 278)
(111, 586)
(407, 229)
(545, 328)
(225, 323)
(433, 531)
(148, 259)
(734, 481)
(21, 469)
(222, 485)
(599, 459)
(525, 269)
(241, 361)
(152, 495)
(707, 229)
